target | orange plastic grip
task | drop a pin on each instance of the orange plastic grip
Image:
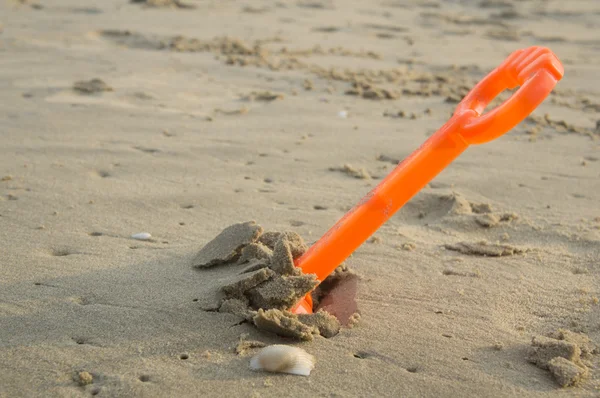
(535, 69)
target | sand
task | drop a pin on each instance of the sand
(228, 245)
(272, 285)
(225, 112)
(565, 354)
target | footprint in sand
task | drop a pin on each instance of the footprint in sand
(316, 5)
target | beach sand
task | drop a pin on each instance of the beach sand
(121, 118)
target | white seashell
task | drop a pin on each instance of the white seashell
(343, 114)
(141, 236)
(283, 359)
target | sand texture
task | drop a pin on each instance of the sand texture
(172, 120)
(264, 292)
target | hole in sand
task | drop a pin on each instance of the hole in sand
(195, 300)
(79, 340)
(337, 295)
(95, 391)
(412, 369)
(96, 234)
(187, 206)
(184, 356)
(144, 378)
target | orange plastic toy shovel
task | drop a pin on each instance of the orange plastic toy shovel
(536, 70)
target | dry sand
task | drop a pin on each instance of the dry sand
(209, 113)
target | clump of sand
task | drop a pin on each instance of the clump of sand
(360, 173)
(228, 245)
(83, 378)
(565, 354)
(270, 284)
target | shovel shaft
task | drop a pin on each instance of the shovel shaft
(535, 69)
(398, 187)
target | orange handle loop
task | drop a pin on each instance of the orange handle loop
(535, 69)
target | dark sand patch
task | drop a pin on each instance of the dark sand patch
(372, 92)
(388, 159)
(164, 3)
(91, 86)
(453, 272)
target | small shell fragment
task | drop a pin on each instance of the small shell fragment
(283, 359)
(141, 236)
